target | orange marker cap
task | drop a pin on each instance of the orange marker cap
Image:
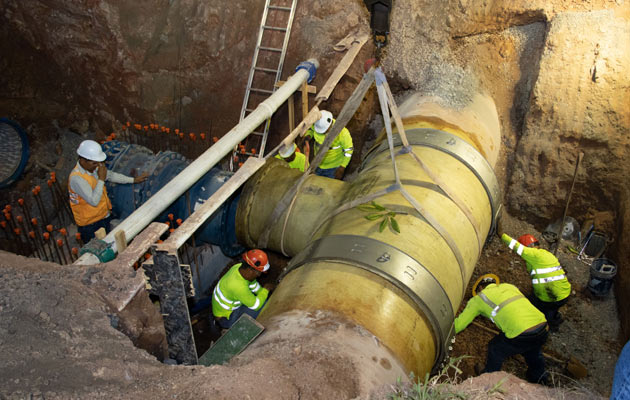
(31, 234)
(59, 242)
(34, 221)
(19, 219)
(77, 236)
(21, 201)
(46, 235)
(75, 251)
(63, 231)
(215, 139)
(49, 228)
(17, 231)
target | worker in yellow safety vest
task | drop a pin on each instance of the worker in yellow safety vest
(238, 292)
(292, 155)
(523, 328)
(551, 288)
(338, 156)
(88, 195)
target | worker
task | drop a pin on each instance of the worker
(88, 196)
(338, 156)
(238, 292)
(551, 288)
(291, 155)
(523, 328)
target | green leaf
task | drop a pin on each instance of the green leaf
(373, 217)
(394, 224)
(378, 206)
(383, 225)
(365, 207)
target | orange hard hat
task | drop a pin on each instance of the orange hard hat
(257, 259)
(528, 240)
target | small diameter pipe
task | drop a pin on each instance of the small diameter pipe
(153, 207)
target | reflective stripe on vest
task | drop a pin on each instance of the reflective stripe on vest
(497, 308)
(547, 280)
(254, 287)
(256, 304)
(541, 271)
(223, 301)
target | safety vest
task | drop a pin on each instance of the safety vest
(299, 162)
(84, 213)
(506, 306)
(340, 151)
(549, 280)
(233, 290)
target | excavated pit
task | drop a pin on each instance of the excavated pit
(556, 70)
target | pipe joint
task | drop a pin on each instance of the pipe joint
(398, 268)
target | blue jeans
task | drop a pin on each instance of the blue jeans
(87, 231)
(621, 380)
(328, 172)
(226, 323)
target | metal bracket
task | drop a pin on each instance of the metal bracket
(396, 267)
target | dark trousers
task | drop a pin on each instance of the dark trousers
(87, 231)
(328, 172)
(226, 323)
(527, 344)
(549, 308)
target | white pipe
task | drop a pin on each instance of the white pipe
(139, 219)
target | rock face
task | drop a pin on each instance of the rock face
(579, 103)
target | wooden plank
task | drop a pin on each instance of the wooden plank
(121, 240)
(205, 211)
(291, 114)
(353, 43)
(100, 234)
(302, 127)
(304, 100)
(233, 342)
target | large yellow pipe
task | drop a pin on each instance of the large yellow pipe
(404, 288)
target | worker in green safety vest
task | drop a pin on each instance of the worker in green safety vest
(238, 292)
(291, 155)
(338, 156)
(523, 328)
(551, 288)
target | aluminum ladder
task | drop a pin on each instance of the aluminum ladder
(266, 70)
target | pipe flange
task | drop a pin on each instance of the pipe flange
(396, 267)
(459, 149)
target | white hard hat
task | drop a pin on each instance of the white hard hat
(91, 150)
(324, 122)
(286, 151)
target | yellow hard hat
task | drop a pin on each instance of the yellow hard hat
(487, 278)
